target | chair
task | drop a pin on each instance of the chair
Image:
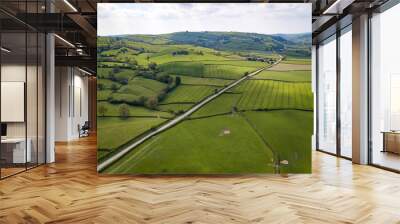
(84, 130)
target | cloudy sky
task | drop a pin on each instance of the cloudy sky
(153, 18)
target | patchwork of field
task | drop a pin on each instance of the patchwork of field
(147, 80)
(220, 145)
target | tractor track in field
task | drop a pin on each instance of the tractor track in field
(107, 162)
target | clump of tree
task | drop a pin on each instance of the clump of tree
(165, 78)
(124, 111)
(152, 66)
(116, 70)
(148, 74)
(114, 87)
(162, 95)
(151, 103)
(179, 112)
(177, 81)
(180, 52)
(123, 50)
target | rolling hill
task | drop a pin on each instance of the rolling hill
(285, 44)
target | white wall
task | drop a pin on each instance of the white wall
(71, 102)
(314, 90)
(33, 126)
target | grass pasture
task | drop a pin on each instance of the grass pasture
(211, 69)
(267, 94)
(290, 67)
(296, 76)
(168, 57)
(136, 88)
(175, 107)
(107, 84)
(241, 63)
(297, 61)
(189, 80)
(288, 132)
(223, 71)
(103, 94)
(195, 69)
(102, 73)
(114, 132)
(125, 74)
(220, 105)
(149, 84)
(134, 111)
(188, 94)
(173, 151)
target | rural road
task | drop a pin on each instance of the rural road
(177, 119)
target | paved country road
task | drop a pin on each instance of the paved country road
(177, 119)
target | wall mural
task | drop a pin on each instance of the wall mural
(204, 88)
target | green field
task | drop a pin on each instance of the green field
(112, 110)
(291, 67)
(103, 94)
(267, 94)
(189, 94)
(211, 69)
(175, 107)
(195, 69)
(147, 80)
(200, 147)
(113, 132)
(288, 132)
(297, 61)
(188, 80)
(226, 71)
(222, 105)
(295, 76)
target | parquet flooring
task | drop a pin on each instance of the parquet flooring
(70, 191)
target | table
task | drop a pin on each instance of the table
(13, 150)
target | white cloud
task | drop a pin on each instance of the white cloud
(157, 18)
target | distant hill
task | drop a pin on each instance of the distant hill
(286, 44)
(297, 38)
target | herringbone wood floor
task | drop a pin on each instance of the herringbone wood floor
(70, 191)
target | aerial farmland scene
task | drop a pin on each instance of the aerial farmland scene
(203, 101)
